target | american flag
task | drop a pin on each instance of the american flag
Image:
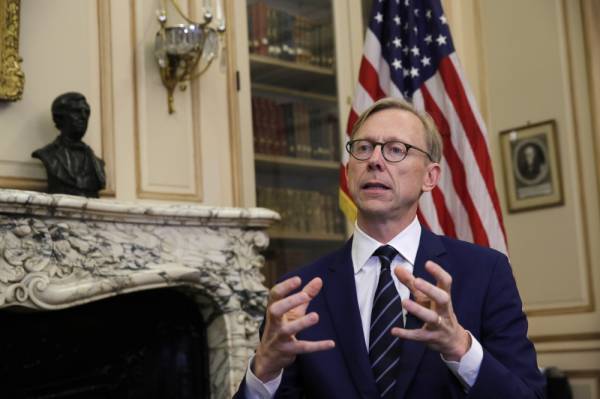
(409, 53)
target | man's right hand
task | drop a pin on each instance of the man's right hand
(286, 316)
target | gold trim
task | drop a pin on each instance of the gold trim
(561, 311)
(235, 143)
(23, 183)
(12, 78)
(107, 123)
(565, 337)
(157, 195)
(140, 192)
(566, 350)
(591, 43)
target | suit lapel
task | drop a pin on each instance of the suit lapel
(340, 295)
(430, 248)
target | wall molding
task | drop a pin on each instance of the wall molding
(590, 306)
(588, 336)
(235, 143)
(589, 14)
(567, 350)
(107, 122)
(166, 195)
(23, 183)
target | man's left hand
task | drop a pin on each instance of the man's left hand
(433, 305)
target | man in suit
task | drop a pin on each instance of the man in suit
(397, 312)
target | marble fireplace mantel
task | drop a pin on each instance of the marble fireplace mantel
(59, 251)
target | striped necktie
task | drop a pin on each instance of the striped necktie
(384, 348)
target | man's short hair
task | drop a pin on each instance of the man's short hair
(433, 138)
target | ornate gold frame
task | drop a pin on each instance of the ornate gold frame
(12, 78)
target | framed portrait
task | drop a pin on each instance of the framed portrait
(12, 78)
(532, 173)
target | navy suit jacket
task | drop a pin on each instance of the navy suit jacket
(485, 300)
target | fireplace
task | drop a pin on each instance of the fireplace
(107, 299)
(149, 344)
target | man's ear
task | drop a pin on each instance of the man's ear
(432, 176)
(346, 171)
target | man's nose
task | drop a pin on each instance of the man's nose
(376, 160)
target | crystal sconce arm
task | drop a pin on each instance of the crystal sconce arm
(183, 52)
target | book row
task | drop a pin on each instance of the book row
(277, 33)
(294, 129)
(302, 211)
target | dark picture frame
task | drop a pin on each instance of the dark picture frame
(532, 174)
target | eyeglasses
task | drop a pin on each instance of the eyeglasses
(393, 151)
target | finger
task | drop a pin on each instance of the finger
(300, 324)
(425, 314)
(443, 278)
(437, 294)
(298, 347)
(408, 280)
(283, 289)
(420, 334)
(313, 287)
(405, 277)
(282, 306)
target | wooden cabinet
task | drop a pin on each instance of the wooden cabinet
(299, 94)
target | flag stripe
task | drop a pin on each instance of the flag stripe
(456, 213)
(457, 169)
(474, 134)
(470, 98)
(475, 182)
(369, 80)
(444, 217)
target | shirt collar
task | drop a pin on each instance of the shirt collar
(406, 242)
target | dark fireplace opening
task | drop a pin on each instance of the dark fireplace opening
(148, 344)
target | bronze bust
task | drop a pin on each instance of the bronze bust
(71, 165)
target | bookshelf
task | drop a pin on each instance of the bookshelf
(296, 128)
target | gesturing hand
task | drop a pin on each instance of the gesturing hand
(433, 305)
(286, 316)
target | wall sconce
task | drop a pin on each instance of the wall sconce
(180, 49)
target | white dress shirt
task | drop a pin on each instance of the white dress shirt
(366, 275)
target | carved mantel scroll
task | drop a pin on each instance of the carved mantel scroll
(59, 251)
(12, 78)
